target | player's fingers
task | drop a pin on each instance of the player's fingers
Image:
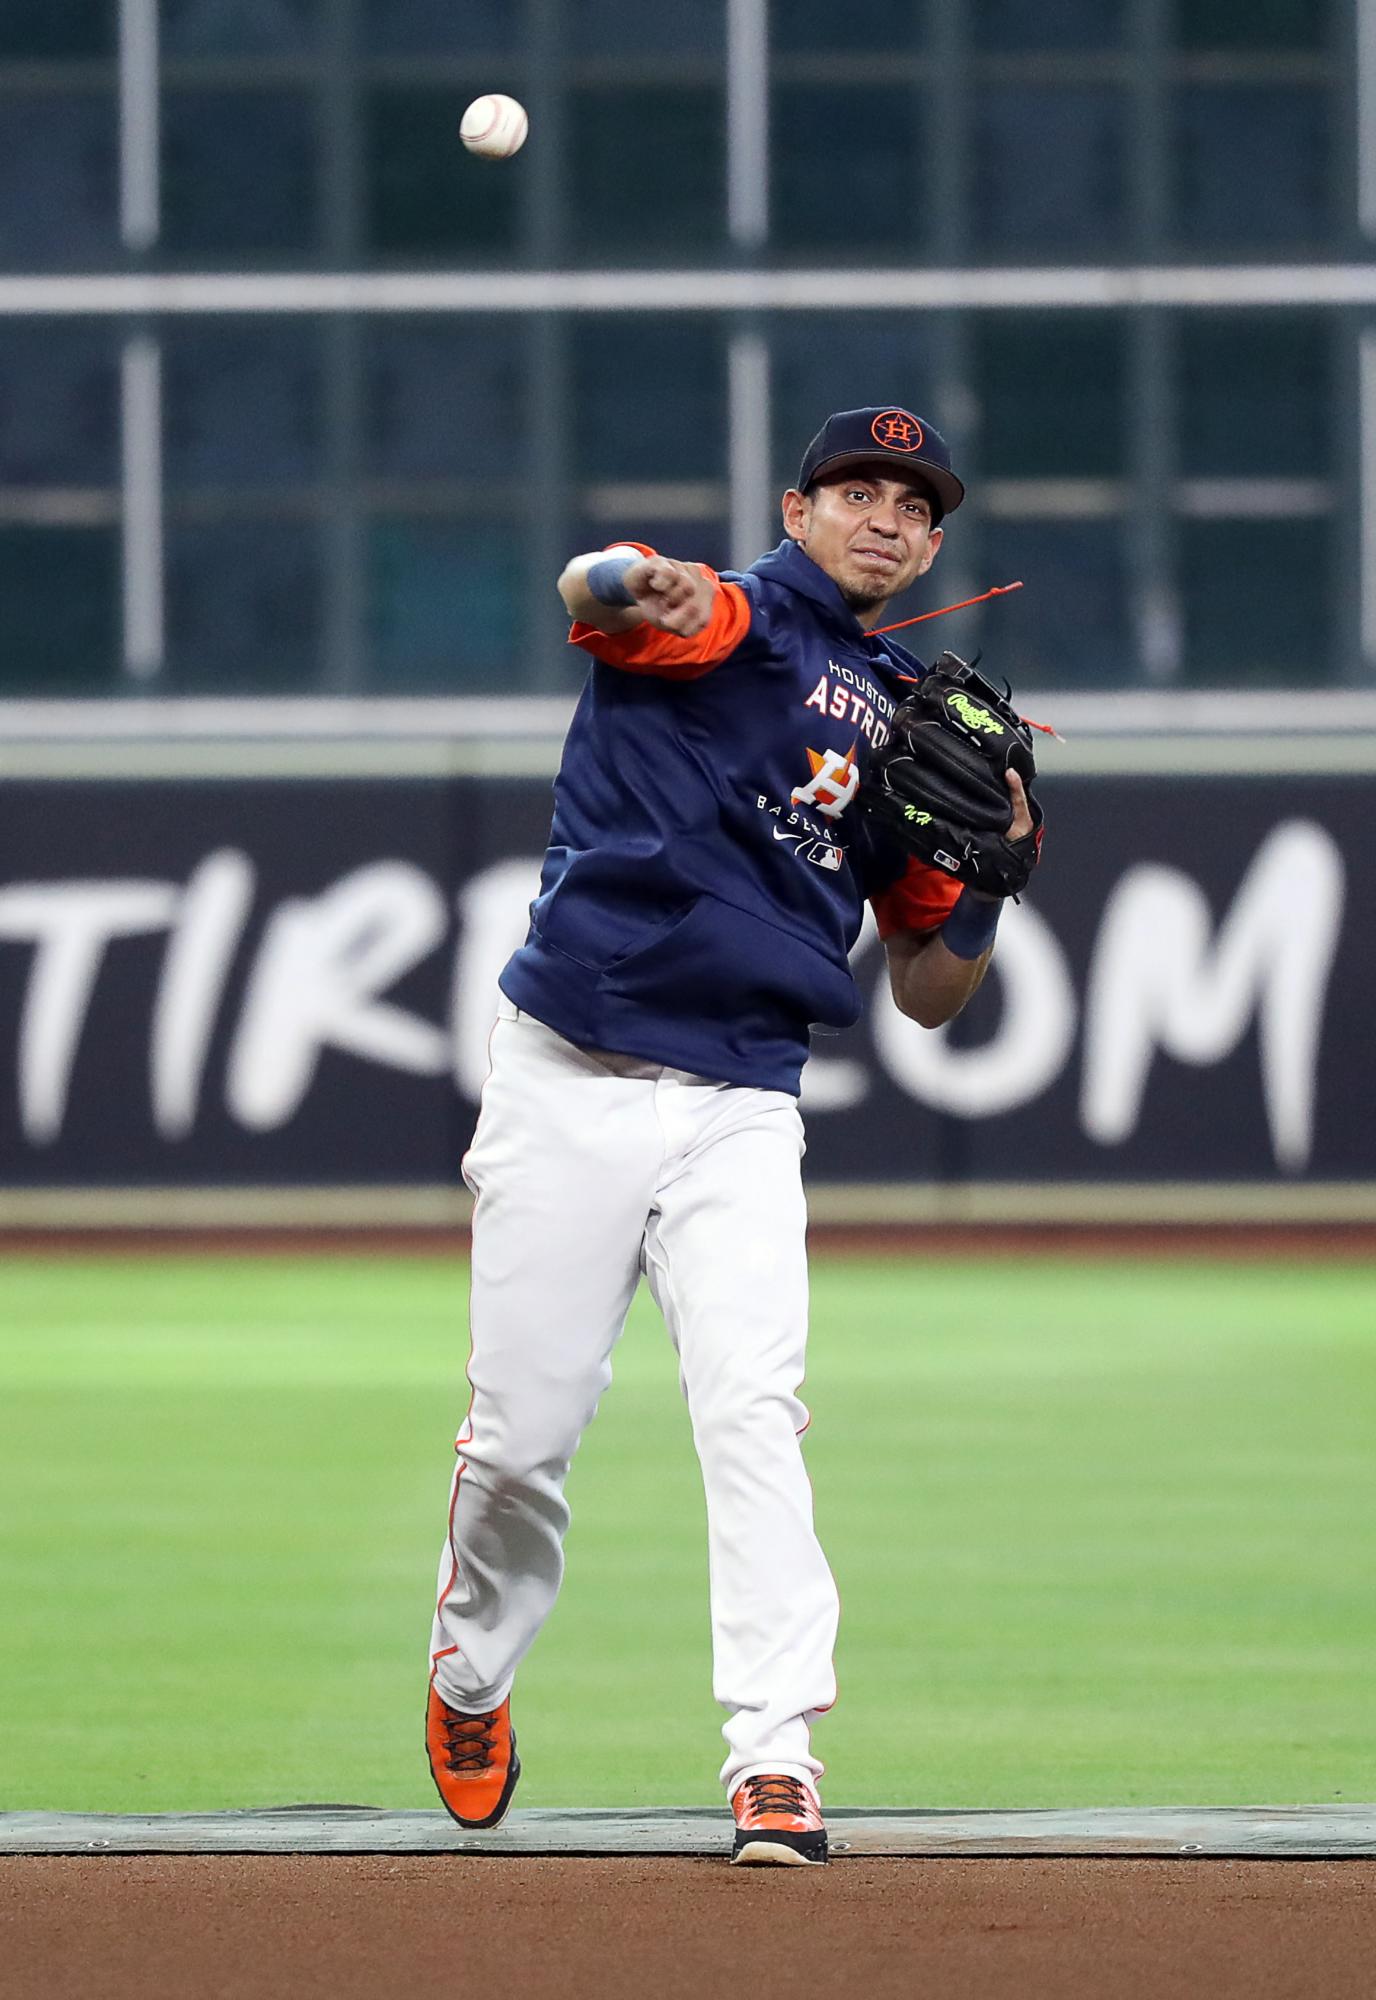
(1021, 821)
(686, 621)
(668, 588)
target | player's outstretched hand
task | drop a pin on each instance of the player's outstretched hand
(674, 596)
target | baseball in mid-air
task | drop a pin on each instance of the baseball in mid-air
(494, 126)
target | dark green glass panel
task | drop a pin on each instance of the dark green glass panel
(1253, 166)
(441, 27)
(1255, 394)
(647, 172)
(1253, 24)
(807, 26)
(847, 167)
(48, 30)
(427, 197)
(446, 400)
(1050, 169)
(242, 27)
(243, 403)
(239, 172)
(630, 28)
(60, 589)
(705, 538)
(1051, 394)
(1048, 24)
(1068, 626)
(59, 181)
(1258, 602)
(243, 606)
(649, 398)
(824, 362)
(446, 606)
(59, 403)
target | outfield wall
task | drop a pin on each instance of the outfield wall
(247, 974)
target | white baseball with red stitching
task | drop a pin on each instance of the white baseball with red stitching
(494, 126)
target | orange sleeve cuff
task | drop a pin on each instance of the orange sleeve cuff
(920, 900)
(646, 650)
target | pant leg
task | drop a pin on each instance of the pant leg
(726, 1259)
(563, 1167)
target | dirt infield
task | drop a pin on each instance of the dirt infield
(347, 1927)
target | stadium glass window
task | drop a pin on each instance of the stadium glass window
(628, 27)
(59, 180)
(825, 362)
(1255, 395)
(1048, 24)
(445, 605)
(445, 400)
(822, 25)
(1257, 600)
(243, 606)
(643, 162)
(1253, 24)
(1048, 169)
(39, 31)
(1253, 165)
(1051, 393)
(60, 588)
(427, 197)
(239, 173)
(59, 404)
(440, 27)
(243, 403)
(1068, 626)
(648, 398)
(689, 537)
(873, 207)
(241, 27)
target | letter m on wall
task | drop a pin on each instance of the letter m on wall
(1160, 979)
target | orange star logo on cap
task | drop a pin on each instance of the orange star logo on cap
(897, 430)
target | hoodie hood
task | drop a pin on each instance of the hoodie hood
(793, 569)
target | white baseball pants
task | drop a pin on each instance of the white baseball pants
(588, 1169)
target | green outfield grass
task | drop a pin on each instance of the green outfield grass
(1103, 1533)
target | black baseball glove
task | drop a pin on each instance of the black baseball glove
(937, 784)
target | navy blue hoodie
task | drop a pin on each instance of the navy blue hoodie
(705, 879)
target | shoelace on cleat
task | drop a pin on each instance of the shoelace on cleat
(465, 1750)
(779, 1795)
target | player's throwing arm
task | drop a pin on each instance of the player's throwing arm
(622, 588)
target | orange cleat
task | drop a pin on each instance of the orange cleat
(778, 1823)
(472, 1760)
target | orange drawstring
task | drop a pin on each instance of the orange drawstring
(999, 590)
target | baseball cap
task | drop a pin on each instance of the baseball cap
(892, 437)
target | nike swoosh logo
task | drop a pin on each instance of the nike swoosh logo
(785, 836)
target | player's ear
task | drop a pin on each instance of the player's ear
(797, 512)
(934, 541)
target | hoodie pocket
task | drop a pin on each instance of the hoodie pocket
(715, 960)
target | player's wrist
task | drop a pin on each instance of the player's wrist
(970, 929)
(606, 580)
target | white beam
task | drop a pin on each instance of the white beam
(871, 290)
(754, 526)
(141, 412)
(1366, 568)
(747, 122)
(140, 189)
(1366, 116)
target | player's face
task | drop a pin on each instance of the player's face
(871, 534)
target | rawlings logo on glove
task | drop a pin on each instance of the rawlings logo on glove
(938, 783)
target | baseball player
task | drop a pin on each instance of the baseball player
(705, 881)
